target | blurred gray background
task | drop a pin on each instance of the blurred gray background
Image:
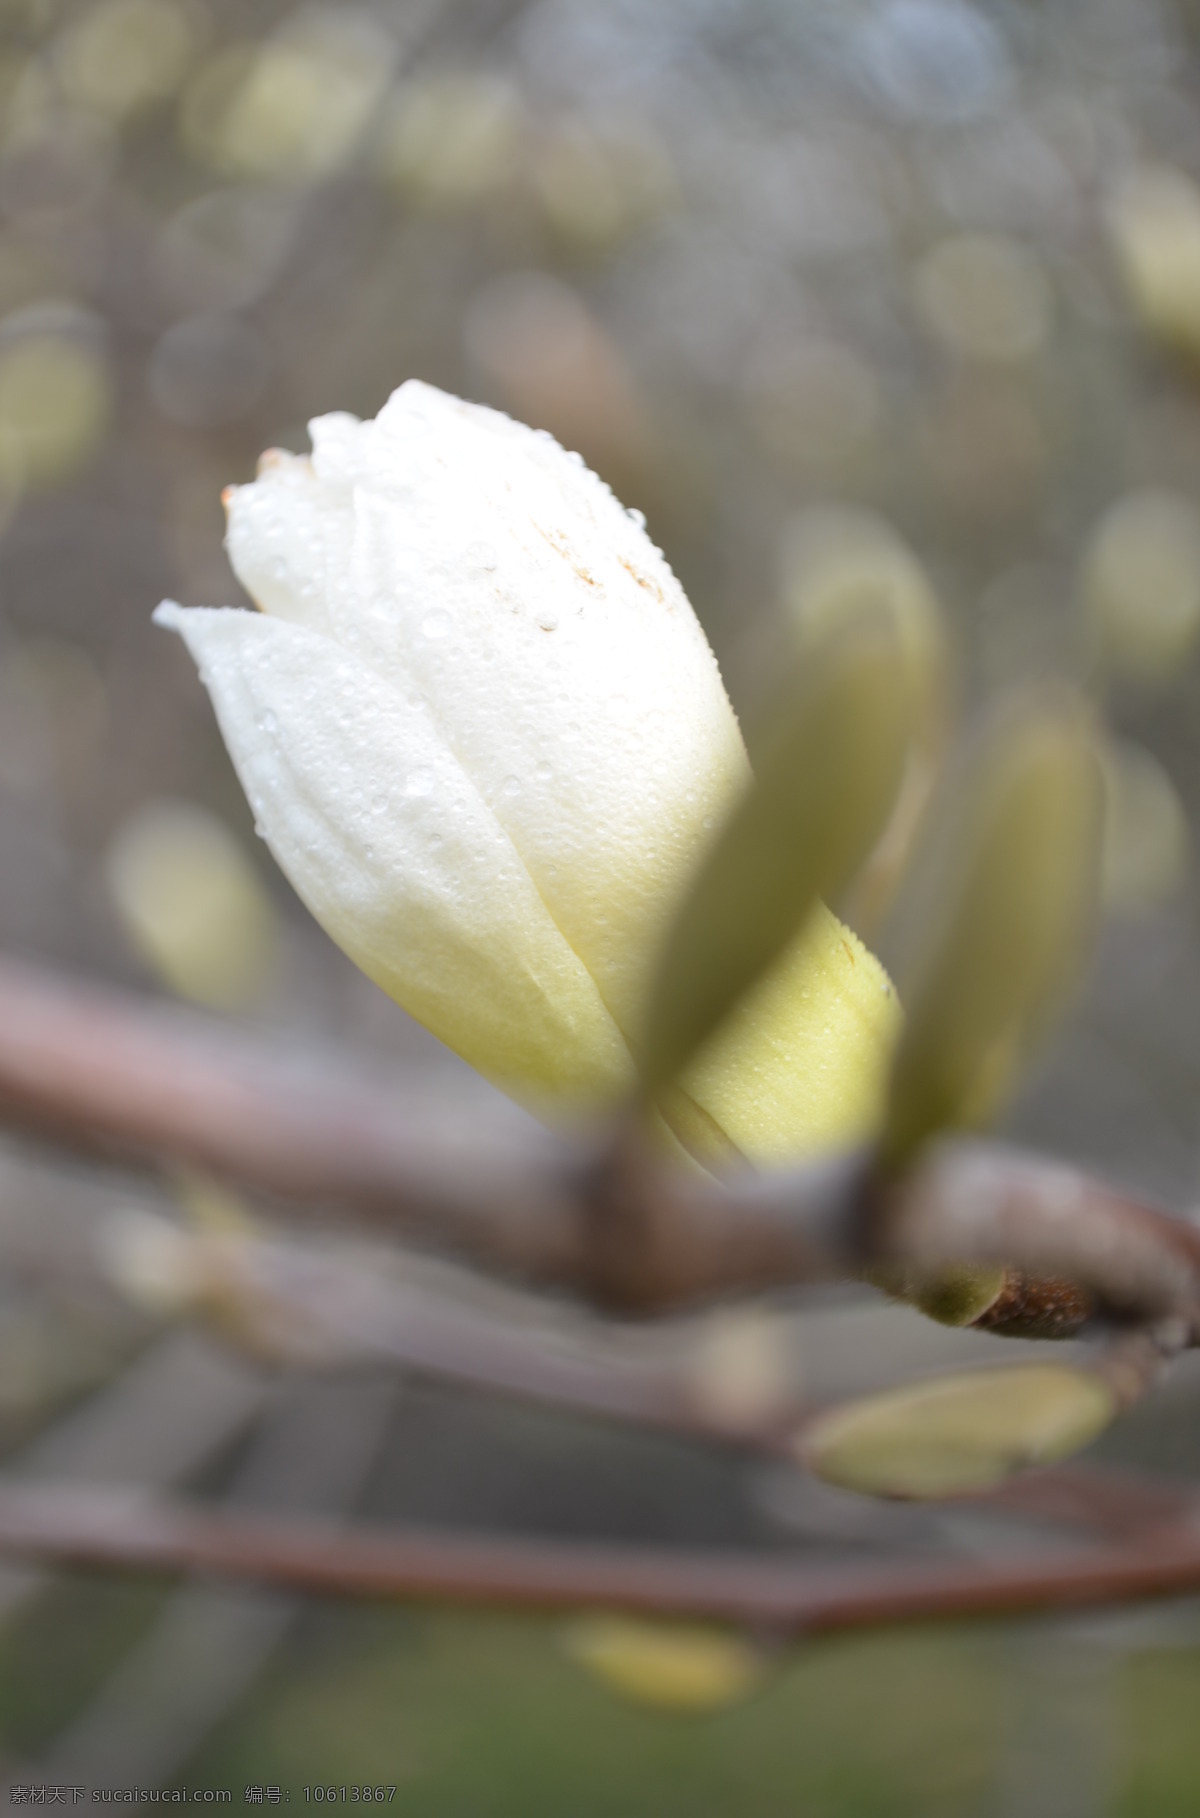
(799, 278)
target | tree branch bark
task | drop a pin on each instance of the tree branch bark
(99, 1070)
(71, 1527)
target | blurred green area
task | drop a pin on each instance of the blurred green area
(474, 1714)
(903, 281)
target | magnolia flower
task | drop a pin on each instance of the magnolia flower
(483, 734)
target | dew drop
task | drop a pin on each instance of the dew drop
(511, 786)
(482, 555)
(548, 621)
(544, 772)
(639, 517)
(436, 624)
(419, 782)
(269, 724)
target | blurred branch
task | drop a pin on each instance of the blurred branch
(95, 1069)
(87, 1528)
(306, 1305)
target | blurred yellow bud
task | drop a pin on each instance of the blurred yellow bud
(742, 1367)
(957, 1435)
(828, 762)
(211, 1207)
(1154, 227)
(1141, 585)
(449, 141)
(221, 1275)
(126, 54)
(666, 1666)
(1147, 842)
(297, 105)
(836, 562)
(1000, 920)
(151, 1261)
(192, 904)
(55, 394)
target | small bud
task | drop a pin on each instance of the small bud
(957, 1435)
(1000, 921)
(1154, 226)
(835, 563)
(828, 764)
(1147, 841)
(953, 1296)
(1141, 586)
(666, 1666)
(192, 904)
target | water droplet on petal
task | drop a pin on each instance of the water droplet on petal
(511, 786)
(419, 782)
(639, 517)
(482, 555)
(436, 624)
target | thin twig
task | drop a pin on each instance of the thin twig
(310, 1306)
(307, 1304)
(107, 1530)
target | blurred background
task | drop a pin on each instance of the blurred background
(813, 284)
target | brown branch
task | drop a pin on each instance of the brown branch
(98, 1070)
(983, 1202)
(307, 1305)
(93, 1068)
(301, 1303)
(69, 1527)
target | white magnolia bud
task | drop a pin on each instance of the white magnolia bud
(484, 735)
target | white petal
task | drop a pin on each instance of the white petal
(559, 656)
(289, 536)
(374, 820)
